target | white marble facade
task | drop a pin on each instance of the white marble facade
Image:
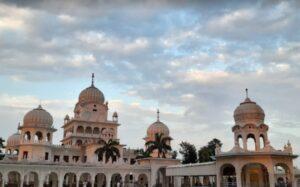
(33, 160)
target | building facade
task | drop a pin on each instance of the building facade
(33, 160)
(252, 162)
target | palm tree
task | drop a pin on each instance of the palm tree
(2, 144)
(159, 143)
(1, 147)
(141, 153)
(109, 150)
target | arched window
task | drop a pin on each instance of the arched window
(88, 130)
(262, 143)
(228, 175)
(80, 129)
(96, 130)
(15, 152)
(48, 137)
(240, 141)
(251, 142)
(38, 136)
(27, 135)
(79, 142)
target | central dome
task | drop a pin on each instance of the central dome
(157, 128)
(91, 95)
(38, 117)
(248, 112)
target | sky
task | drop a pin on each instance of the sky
(191, 60)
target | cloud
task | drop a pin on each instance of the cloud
(191, 60)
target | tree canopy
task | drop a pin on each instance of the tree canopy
(141, 153)
(188, 152)
(108, 150)
(160, 144)
(206, 153)
(1, 147)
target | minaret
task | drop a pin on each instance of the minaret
(249, 123)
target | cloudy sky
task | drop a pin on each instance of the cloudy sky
(193, 61)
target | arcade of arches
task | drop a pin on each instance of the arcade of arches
(69, 179)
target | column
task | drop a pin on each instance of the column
(238, 172)
(92, 182)
(245, 143)
(177, 181)
(21, 181)
(60, 180)
(41, 180)
(219, 178)
(271, 177)
(77, 181)
(108, 181)
(257, 143)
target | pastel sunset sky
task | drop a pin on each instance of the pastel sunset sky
(192, 61)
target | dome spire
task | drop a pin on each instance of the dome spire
(247, 96)
(157, 112)
(93, 76)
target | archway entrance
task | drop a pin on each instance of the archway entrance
(282, 175)
(161, 178)
(143, 180)
(69, 180)
(31, 180)
(85, 180)
(51, 180)
(100, 180)
(129, 180)
(255, 175)
(116, 180)
(14, 179)
(228, 176)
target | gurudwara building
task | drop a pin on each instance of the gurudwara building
(32, 160)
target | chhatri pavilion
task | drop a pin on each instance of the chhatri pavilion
(32, 160)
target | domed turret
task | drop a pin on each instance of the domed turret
(38, 117)
(248, 112)
(157, 127)
(13, 140)
(91, 94)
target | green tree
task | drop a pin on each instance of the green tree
(188, 152)
(212, 145)
(206, 153)
(174, 154)
(141, 153)
(160, 144)
(108, 150)
(1, 147)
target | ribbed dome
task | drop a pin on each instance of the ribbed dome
(248, 112)
(38, 117)
(157, 128)
(91, 95)
(13, 140)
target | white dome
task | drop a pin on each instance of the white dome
(38, 117)
(13, 140)
(157, 128)
(91, 95)
(248, 112)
